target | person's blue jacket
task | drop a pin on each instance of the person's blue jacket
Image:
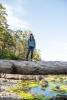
(31, 43)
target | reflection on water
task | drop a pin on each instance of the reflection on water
(48, 93)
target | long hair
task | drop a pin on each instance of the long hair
(32, 37)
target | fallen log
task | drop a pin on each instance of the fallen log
(33, 67)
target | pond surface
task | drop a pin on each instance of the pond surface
(48, 93)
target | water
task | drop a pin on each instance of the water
(48, 93)
(39, 90)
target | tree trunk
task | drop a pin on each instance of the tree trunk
(33, 68)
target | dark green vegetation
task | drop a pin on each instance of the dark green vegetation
(45, 89)
(13, 44)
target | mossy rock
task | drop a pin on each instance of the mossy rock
(63, 87)
(43, 83)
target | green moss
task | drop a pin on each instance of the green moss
(13, 89)
(62, 90)
(23, 89)
(33, 84)
(55, 79)
(41, 97)
(50, 79)
(44, 85)
(26, 95)
(63, 87)
(28, 84)
(43, 88)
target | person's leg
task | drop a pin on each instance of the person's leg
(32, 50)
(28, 53)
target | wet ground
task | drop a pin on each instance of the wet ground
(48, 91)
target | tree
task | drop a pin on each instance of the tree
(20, 49)
(6, 40)
(3, 21)
(13, 44)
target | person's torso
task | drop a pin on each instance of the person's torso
(31, 43)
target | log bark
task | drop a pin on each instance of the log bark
(33, 67)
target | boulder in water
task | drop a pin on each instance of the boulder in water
(44, 83)
(57, 87)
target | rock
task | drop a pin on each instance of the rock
(4, 93)
(43, 83)
(60, 97)
(53, 81)
(33, 67)
(4, 80)
(61, 78)
(23, 77)
(65, 81)
(39, 77)
(57, 87)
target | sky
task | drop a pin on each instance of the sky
(47, 19)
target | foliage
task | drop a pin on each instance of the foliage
(13, 44)
(3, 21)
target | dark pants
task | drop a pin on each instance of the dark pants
(30, 49)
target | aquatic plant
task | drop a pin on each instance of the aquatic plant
(55, 79)
(61, 89)
(26, 95)
(41, 97)
(23, 88)
(28, 84)
(15, 89)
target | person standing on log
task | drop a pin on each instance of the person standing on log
(31, 45)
